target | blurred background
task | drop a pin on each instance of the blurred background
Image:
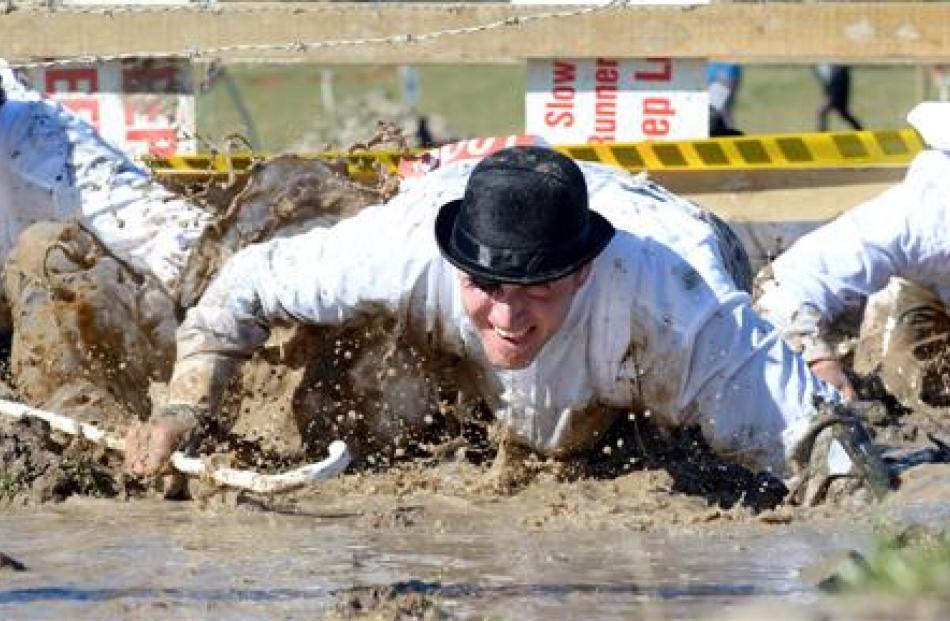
(303, 107)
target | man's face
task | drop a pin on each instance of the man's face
(515, 321)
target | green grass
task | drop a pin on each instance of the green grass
(911, 564)
(786, 99)
(284, 101)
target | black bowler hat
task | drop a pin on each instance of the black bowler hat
(524, 219)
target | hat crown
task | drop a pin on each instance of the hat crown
(524, 198)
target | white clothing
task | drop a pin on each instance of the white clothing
(929, 118)
(55, 166)
(658, 323)
(830, 272)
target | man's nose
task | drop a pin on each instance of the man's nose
(508, 306)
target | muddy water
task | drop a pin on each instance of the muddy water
(91, 559)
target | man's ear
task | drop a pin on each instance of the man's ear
(581, 276)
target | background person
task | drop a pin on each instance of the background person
(724, 80)
(901, 237)
(836, 88)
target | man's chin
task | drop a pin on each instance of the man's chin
(503, 354)
(511, 360)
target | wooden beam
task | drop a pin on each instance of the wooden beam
(892, 32)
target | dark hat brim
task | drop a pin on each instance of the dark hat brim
(600, 233)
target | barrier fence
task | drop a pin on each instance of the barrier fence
(822, 150)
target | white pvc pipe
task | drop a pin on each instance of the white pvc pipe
(330, 467)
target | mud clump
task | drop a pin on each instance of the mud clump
(283, 196)
(35, 468)
(8, 563)
(409, 601)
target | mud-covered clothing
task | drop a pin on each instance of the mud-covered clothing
(55, 166)
(659, 324)
(89, 335)
(905, 338)
(828, 274)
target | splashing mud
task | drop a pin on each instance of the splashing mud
(442, 516)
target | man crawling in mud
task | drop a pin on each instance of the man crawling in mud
(572, 293)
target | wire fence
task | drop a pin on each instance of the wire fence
(198, 53)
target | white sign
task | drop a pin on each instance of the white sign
(142, 106)
(597, 100)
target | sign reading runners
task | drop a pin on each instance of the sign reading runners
(598, 100)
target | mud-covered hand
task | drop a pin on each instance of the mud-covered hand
(149, 445)
(816, 471)
(830, 371)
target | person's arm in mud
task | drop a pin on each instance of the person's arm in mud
(325, 276)
(753, 397)
(831, 272)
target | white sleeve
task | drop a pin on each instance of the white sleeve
(87, 178)
(752, 396)
(325, 276)
(901, 232)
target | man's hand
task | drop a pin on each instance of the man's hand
(831, 372)
(148, 446)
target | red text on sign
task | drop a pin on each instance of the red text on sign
(606, 76)
(656, 116)
(661, 70)
(559, 111)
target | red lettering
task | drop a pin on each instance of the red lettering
(605, 101)
(655, 127)
(654, 109)
(144, 114)
(160, 141)
(563, 93)
(606, 123)
(661, 74)
(86, 108)
(559, 119)
(148, 79)
(564, 72)
(606, 70)
(606, 75)
(605, 91)
(658, 105)
(147, 123)
(559, 111)
(84, 80)
(477, 147)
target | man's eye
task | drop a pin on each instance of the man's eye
(485, 285)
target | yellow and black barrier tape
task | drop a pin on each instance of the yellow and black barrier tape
(858, 149)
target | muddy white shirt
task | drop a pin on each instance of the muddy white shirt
(658, 323)
(830, 272)
(55, 166)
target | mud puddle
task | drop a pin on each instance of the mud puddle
(101, 559)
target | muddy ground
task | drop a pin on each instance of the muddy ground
(431, 467)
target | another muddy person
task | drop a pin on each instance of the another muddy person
(573, 292)
(101, 259)
(820, 287)
(102, 243)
